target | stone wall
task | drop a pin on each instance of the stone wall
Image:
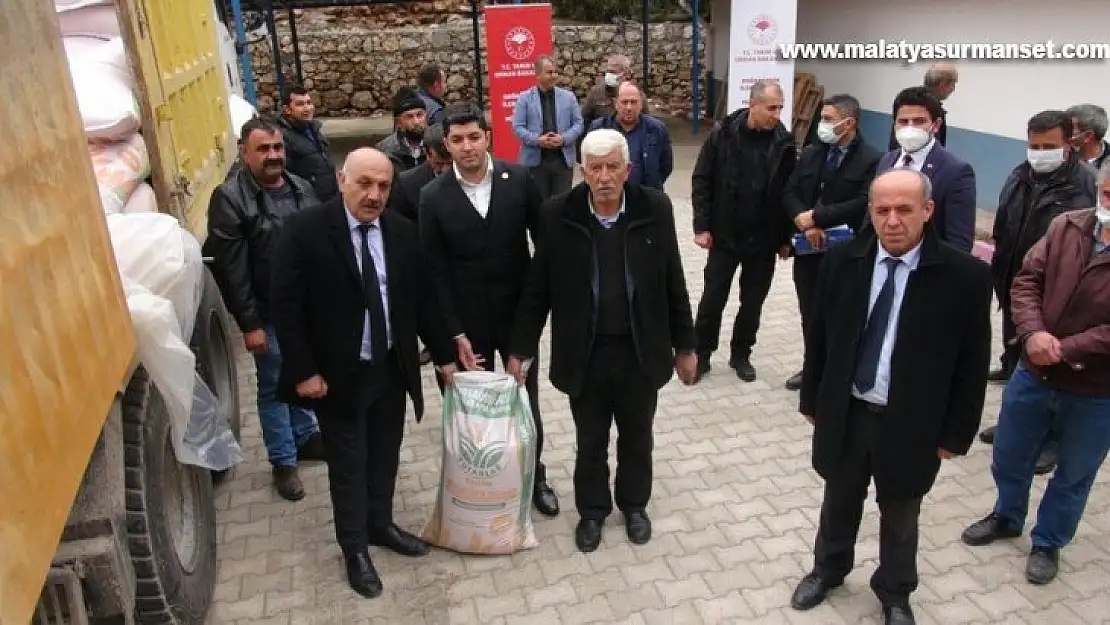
(354, 70)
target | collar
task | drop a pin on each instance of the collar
(602, 219)
(485, 179)
(910, 258)
(1101, 152)
(353, 224)
(919, 156)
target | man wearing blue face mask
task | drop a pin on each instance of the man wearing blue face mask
(1052, 180)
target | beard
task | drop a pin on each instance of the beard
(414, 133)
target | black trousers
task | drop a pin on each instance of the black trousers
(806, 267)
(553, 177)
(842, 510)
(1011, 354)
(615, 388)
(531, 385)
(363, 451)
(756, 274)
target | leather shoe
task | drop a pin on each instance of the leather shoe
(638, 526)
(396, 539)
(987, 435)
(987, 530)
(794, 382)
(587, 536)
(545, 499)
(898, 615)
(1046, 461)
(811, 591)
(361, 575)
(1042, 565)
(288, 483)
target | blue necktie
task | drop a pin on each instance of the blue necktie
(871, 346)
(833, 160)
(378, 334)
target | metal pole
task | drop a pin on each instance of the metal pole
(279, 75)
(244, 53)
(477, 53)
(296, 44)
(695, 74)
(644, 19)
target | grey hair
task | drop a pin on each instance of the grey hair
(602, 142)
(940, 74)
(762, 86)
(845, 104)
(926, 183)
(1090, 117)
(622, 60)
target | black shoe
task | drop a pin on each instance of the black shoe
(743, 368)
(811, 591)
(638, 526)
(587, 536)
(312, 449)
(1042, 565)
(288, 483)
(396, 539)
(987, 435)
(998, 375)
(898, 615)
(361, 575)
(988, 530)
(795, 382)
(545, 500)
(1046, 462)
(703, 366)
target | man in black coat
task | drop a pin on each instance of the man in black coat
(474, 227)
(894, 382)
(827, 190)
(608, 269)
(306, 147)
(352, 294)
(405, 197)
(736, 189)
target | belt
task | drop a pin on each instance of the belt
(374, 363)
(868, 406)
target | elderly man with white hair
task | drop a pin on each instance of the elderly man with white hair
(607, 267)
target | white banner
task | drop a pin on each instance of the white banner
(758, 28)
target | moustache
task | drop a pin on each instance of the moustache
(273, 162)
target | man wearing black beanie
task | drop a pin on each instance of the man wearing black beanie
(405, 147)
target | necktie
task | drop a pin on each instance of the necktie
(907, 161)
(372, 289)
(871, 346)
(833, 160)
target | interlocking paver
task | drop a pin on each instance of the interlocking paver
(735, 505)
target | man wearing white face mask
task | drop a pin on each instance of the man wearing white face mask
(827, 190)
(601, 98)
(1053, 179)
(918, 116)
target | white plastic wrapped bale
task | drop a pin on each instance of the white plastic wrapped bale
(104, 85)
(155, 252)
(241, 112)
(88, 17)
(143, 200)
(120, 167)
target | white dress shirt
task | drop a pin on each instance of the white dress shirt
(878, 393)
(377, 251)
(479, 193)
(917, 158)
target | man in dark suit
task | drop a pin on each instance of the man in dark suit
(940, 80)
(827, 190)
(608, 269)
(354, 294)
(405, 197)
(474, 227)
(917, 118)
(894, 382)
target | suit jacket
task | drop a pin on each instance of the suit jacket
(938, 369)
(528, 124)
(319, 306)
(953, 194)
(479, 265)
(563, 280)
(404, 199)
(843, 197)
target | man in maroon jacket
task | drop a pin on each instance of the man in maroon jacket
(1060, 303)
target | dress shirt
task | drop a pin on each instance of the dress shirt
(479, 193)
(377, 250)
(606, 222)
(878, 393)
(917, 157)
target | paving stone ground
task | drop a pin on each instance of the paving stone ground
(734, 508)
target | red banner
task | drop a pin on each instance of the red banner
(516, 35)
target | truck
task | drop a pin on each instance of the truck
(100, 520)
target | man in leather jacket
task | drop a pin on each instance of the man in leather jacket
(306, 147)
(245, 216)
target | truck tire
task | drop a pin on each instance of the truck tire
(171, 515)
(215, 353)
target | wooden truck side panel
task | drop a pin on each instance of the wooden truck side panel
(65, 334)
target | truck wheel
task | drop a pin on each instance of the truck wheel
(171, 515)
(215, 353)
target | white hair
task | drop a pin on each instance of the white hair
(603, 142)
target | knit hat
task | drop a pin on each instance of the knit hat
(406, 99)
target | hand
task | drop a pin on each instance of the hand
(704, 240)
(515, 368)
(944, 454)
(467, 358)
(557, 141)
(313, 388)
(816, 237)
(447, 373)
(686, 366)
(804, 221)
(784, 252)
(1043, 349)
(809, 418)
(255, 340)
